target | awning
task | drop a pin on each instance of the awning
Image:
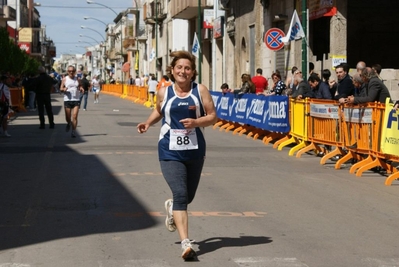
(126, 67)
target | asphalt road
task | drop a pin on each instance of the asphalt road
(98, 200)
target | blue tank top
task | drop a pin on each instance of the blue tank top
(176, 142)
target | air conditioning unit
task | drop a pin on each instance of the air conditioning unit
(224, 4)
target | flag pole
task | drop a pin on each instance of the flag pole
(199, 43)
(304, 45)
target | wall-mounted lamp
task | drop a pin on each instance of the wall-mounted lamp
(280, 17)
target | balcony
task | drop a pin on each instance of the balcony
(188, 9)
(129, 42)
(7, 13)
(154, 12)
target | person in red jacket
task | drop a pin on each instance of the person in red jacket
(260, 82)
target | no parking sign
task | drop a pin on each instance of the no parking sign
(272, 39)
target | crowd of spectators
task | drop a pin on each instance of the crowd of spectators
(366, 85)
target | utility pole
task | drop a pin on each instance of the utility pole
(304, 40)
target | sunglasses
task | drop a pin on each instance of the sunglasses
(71, 71)
(297, 72)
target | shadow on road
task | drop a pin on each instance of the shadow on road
(215, 243)
(49, 191)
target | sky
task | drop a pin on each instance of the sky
(63, 20)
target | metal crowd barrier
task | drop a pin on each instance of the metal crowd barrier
(134, 93)
(353, 131)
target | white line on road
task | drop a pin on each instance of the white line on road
(134, 263)
(269, 262)
(14, 265)
(370, 262)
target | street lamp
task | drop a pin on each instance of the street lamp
(92, 2)
(82, 35)
(86, 18)
(121, 53)
(84, 27)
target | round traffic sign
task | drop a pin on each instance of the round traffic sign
(272, 39)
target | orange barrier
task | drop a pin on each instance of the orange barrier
(143, 94)
(354, 130)
(16, 99)
(298, 112)
(323, 128)
(132, 92)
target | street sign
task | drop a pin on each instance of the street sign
(25, 47)
(272, 39)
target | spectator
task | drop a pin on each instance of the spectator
(278, 85)
(345, 86)
(44, 85)
(225, 88)
(326, 74)
(137, 81)
(396, 105)
(260, 82)
(375, 89)
(377, 68)
(86, 88)
(30, 95)
(303, 88)
(130, 81)
(361, 65)
(359, 85)
(247, 86)
(4, 103)
(320, 89)
(290, 82)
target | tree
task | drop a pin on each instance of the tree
(13, 59)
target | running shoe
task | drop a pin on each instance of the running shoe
(188, 252)
(169, 222)
(73, 134)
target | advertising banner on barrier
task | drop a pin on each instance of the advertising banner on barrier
(390, 131)
(327, 111)
(264, 112)
(358, 115)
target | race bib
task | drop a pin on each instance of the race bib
(183, 139)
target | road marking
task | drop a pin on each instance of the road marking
(252, 214)
(149, 174)
(134, 263)
(370, 262)
(125, 153)
(14, 265)
(269, 262)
